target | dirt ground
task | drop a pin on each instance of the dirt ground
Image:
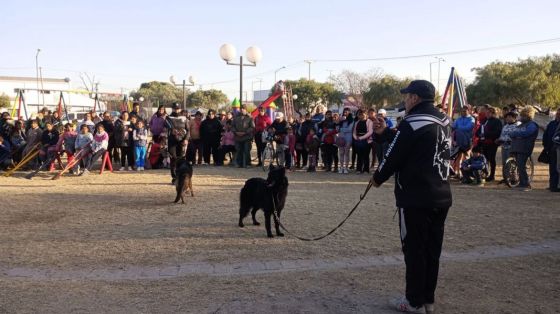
(116, 243)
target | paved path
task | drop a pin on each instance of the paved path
(266, 267)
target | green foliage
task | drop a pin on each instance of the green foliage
(385, 90)
(210, 99)
(530, 81)
(4, 101)
(159, 92)
(311, 94)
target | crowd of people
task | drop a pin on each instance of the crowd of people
(340, 143)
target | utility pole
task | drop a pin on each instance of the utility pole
(42, 87)
(439, 59)
(309, 68)
(37, 70)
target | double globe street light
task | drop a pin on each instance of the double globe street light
(228, 54)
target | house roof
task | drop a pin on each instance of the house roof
(27, 78)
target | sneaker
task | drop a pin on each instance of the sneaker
(122, 169)
(173, 181)
(85, 172)
(129, 168)
(402, 305)
(345, 171)
(340, 170)
(429, 307)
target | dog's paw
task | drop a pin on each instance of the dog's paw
(270, 235)
(241, 225)
(256, 223)
(280, 234)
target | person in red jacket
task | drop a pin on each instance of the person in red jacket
(262, 122)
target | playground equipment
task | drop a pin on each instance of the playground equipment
(280, 90)
(46, 164)
(25, 160)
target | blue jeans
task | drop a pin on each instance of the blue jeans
(521, 166)
(140, 155)
(243, 155)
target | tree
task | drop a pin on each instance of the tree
(385, 90)
(532, 81)
(4, 101)
(210, 99)
(310, 94)
(159, 92)
(355, 84)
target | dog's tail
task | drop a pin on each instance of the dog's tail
(244, 204)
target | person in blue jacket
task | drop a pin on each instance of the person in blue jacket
(522, 144)
(473, 168)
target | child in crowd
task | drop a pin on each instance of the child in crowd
(505, 140)
(98, 148)
(49, 141)
(227, 143)
(312, 143)
(289, 147)
(82, 146)
(140, 136)
(474, 167)
(67, 142)
(33, 138)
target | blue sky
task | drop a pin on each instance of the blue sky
(125, 43)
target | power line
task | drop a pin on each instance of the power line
(530, 43)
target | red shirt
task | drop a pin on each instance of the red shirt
(262, 122)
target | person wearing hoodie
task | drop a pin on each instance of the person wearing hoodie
(210, 133)
(463, 128)
(157, 123)
(67, 142)
(49, 141)
(505, 139)
(522, 144)
(82, 146)
(98, 148)
(262, 122)
(488, 133)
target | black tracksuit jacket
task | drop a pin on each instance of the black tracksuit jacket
(418, 155)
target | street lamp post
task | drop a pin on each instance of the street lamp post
(228, 53)
(431, 81)
(37, 70)
(275, 72)
(192, 82)
(439, 59)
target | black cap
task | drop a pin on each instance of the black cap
(175, 106)
(424, 89)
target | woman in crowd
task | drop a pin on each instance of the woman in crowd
(344, 139)
(363, 131)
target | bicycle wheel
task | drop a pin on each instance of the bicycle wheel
(511, 172)
(530, 169)
(267, 157)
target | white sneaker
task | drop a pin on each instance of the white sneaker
(345, 171)
(429, 307)
(340, 170)
(129, 168)
(402, 305)
(122, 169)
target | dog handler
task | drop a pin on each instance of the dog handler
(418, 155)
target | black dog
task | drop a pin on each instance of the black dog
(184, 179)
(268, 195)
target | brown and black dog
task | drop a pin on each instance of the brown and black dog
(184, 179)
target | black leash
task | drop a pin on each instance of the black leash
(362, 196)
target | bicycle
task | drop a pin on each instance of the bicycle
(270, 155)
(511, 171)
